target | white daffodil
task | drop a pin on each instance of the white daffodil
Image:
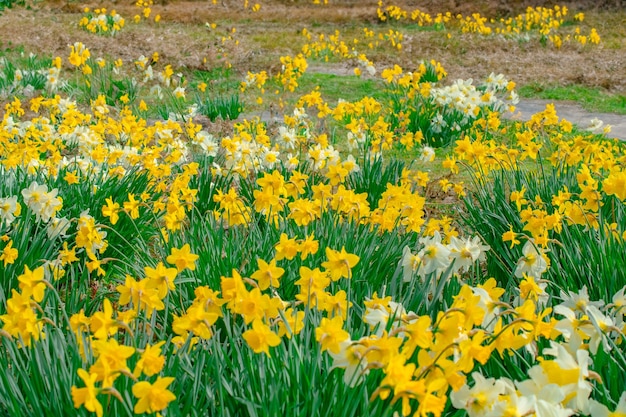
(579, 301)
(479, 399)
(410, 262)
(434, 255)
(466, 252)
(207, 142)
(287, 137)
(532, 263)
(9, 209)
(427, 154)
(351, 358)
(58, 226)
(600, 410)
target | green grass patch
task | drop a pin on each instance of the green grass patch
(218, 79)
(347, 87)
(590, 98)
(7, 4)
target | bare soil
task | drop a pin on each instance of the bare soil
(183, 39)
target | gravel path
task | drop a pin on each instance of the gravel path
(573, 113)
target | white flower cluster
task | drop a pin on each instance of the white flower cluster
(435, 257)
(468, 99)
(533, 261)
(9, 209)
(42, 202)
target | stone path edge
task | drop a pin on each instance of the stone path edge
(573, 113)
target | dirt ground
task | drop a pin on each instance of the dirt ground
(183, 39)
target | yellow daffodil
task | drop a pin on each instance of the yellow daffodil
(153, 397)
(87, 396)
(183, 258)
(339, 263)
(260, 338)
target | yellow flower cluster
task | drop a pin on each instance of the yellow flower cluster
(100, 22)
(598, 167)
(422, 358)
(292, 68)
(334, 47)
(23, 320)
(452, 109)
(545, 22)
(146, 11)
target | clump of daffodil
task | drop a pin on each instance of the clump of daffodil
(100, 22)
(146, 11)
(542, 23)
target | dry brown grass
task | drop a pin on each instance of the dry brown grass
(183, 40)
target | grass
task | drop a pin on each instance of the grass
(346, 87)
(218, 79)
(7, 4)
(32, 68)
(592, 99)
